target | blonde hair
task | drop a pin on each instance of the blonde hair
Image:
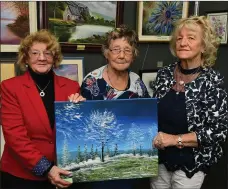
(42, 36)
(122, 32)
(210, 39)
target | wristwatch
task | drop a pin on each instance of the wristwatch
(179, 142)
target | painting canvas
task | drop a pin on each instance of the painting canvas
(156, 18)
(81, 22)
(18, 18)
(71, 69)
(107, 140)
(220, 25)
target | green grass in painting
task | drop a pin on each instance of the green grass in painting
(121, 168)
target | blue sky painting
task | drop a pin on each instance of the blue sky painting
(95, 136)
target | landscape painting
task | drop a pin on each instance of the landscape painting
(18, 19)
(81, 21)
(71, 68)
(107, 140)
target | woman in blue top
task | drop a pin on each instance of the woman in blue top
(115, 81)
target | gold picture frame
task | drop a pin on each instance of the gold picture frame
(71, 68)
(7, 70)
(156, 19)
(32, 28)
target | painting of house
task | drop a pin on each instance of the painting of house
(75, 11)
(81, 21)
(107, 140)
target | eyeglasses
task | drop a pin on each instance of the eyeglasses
(36, 53)
(117, 51)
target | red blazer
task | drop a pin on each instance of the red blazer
(26, 128)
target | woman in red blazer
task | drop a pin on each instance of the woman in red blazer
(27, 115)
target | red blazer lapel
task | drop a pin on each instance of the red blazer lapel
(36, 101)
(59, 87)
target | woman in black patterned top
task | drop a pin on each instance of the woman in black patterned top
(192, 108)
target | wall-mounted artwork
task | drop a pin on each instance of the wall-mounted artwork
(106, 140)
(220, 25)
(7, 70)
(81, 25)
(148, 77)
(156, 19)
(18, 18)
(71, 68)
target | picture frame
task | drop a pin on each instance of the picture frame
(219, 21)
(150, 15)
(12, 40)
(76, 35)
(71, 68)
(7, 70)
(148, 77)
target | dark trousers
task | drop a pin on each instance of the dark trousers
(9, 181)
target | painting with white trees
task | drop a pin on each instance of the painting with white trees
(107, 140)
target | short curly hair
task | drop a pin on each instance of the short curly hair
(42, 36)
(122, 32)
(210, 39)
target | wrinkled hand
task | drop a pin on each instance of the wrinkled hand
(75, 98)
(163, 140)
(55, 179)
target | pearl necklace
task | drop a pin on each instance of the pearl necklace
(42, 93)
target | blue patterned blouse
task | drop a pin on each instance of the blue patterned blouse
(94, 87)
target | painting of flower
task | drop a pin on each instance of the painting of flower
(156, 19)
(219, 23)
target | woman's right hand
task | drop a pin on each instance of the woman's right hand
(76, 98)
(55, 179)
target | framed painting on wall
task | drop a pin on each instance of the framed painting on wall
(71, 68)
(156, 19)
(7, 70)
(220, 25)
(18, 18)
(112, 142)
(148, 77)
(80, 25)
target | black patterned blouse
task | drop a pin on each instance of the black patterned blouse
(207, 114)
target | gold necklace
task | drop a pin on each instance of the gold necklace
(112, 83)
(42, 93)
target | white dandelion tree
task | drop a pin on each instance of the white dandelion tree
(135, 137)
(101, 127)
(67, 126)
(152, 132)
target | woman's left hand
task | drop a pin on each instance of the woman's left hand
(76, 98)
(163, 140)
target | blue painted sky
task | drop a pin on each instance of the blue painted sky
(140, 114)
